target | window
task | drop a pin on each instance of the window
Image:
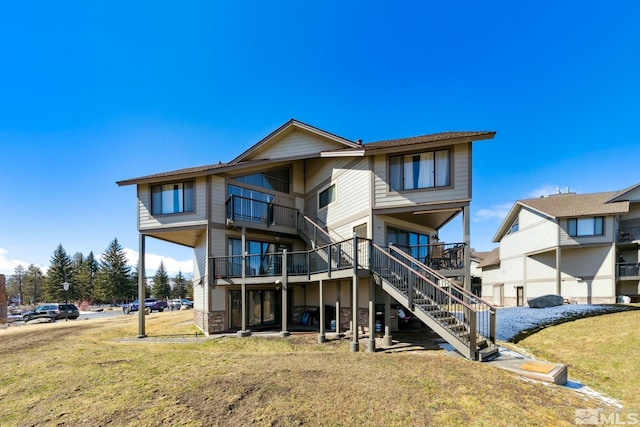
(327, 196)
(422, 170)
(515, 226)
(172, 198)
(260, 260)
(415, 244)
(276, 180)
(593, 226)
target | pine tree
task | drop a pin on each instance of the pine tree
(60, 271)
(32, 284)
(179, 286)
(86, 274)
(161, 285)
(113, 281)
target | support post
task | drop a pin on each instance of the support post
(321, 336)
(141, 286)
(244, 332)
(387, 341)
(466, 221)
(354, 346)
(371, 343)
(285, 288)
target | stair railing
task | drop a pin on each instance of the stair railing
(425, 295)
(486, 311)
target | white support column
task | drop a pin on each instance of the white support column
(142, 282)
(558, 271)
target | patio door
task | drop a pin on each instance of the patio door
(263, 308)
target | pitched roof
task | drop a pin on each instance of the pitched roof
(240, 161)
(491, 259)
(574, 205)
(421, 139)
(618, 196)
(293, 123)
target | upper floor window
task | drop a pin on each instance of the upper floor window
(276, 180)
(421, 170)
(515, 226)
(592, 226)
(172, 198)
(326, 196)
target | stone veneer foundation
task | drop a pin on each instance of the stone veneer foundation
(210, 323)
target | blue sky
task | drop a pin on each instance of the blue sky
(96, 92)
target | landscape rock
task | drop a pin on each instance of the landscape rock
(545, 301)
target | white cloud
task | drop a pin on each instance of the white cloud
(496, 212)
(8, 265)
(152, 262)
(543, 191)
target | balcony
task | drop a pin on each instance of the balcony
(256, 214)
(628, 270)
(327, 259)
(628, 234)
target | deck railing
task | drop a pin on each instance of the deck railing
(628, 234)
(439, 256)
(256, 211)
(628, 269)
(485, 311)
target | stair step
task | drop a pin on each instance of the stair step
(482, 344)
(487, 353)
(448, 320)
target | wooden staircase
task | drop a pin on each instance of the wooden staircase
(465, 321)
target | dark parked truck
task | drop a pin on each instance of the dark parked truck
(150, 303)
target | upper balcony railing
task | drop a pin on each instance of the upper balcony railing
(439, 256)
(258, 212)
(628, 269)
(629, 234)
(323, 259)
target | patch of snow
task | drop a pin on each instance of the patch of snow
(512, 320)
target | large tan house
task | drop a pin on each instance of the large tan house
(581, 246)
(309, 229)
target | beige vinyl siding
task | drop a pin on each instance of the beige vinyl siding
(296, 144)
(200, 258)
(535, 233)
(352, 200)
(149, 222)
(218, 242)
(218, 199)
(320, 172)
(459, 189)
(609, 231)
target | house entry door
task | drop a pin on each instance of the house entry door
(520, 296)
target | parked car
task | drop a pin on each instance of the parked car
(177, 304)
(53, 311)
(150, 303)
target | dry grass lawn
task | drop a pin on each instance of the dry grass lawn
(90, 372)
